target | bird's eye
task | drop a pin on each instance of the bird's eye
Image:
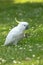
(24, 25)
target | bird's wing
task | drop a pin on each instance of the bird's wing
(13, 35)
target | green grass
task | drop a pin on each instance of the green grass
(28, 51)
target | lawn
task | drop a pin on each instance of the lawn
(28, 51)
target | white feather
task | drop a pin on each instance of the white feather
(16, 34)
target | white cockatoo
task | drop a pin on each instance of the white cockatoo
(16, 34)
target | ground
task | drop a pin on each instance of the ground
(28, 51)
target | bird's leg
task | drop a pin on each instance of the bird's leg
(24, 36)
(27, 35)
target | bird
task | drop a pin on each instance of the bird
(16, 33)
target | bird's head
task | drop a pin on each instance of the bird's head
(22, 25)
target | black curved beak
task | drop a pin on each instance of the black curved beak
(27, 27)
